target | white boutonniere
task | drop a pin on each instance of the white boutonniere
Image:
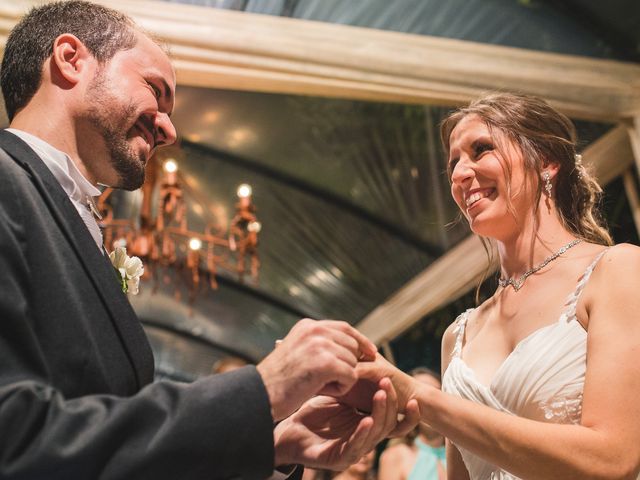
(129, 269)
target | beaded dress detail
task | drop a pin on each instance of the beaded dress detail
(542, 379)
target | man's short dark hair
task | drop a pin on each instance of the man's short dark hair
(102, 30)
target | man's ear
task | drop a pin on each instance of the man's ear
(71, 59)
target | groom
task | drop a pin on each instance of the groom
(89, 97)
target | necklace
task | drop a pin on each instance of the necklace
(517, 283)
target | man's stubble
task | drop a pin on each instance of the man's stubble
(112, 119)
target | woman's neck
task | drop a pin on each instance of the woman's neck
(532, 244)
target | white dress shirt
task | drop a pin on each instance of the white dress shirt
(80, 190)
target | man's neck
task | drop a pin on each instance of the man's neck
(57, 132)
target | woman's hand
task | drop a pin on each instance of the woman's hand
(369, 374)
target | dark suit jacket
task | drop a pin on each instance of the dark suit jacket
(75, 367)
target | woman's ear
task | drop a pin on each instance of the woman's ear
(552, 169)
(70, 59)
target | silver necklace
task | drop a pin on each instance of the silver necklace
(517, 283)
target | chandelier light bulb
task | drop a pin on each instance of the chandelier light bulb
(195, 244)
(170, 166)
(244, 190)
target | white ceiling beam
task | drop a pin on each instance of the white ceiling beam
(459, 270)
(217, 48)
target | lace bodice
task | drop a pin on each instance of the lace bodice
(542, 379)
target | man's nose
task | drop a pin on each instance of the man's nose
(166, 132)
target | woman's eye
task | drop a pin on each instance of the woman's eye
(480, 148)
(452, 164)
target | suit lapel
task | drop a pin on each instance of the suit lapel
(97, 266)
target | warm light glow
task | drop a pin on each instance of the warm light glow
(211, 116)
(294, 290)
(244, 190)
(240, 137)
(254, 227)
(195, 244)
(318, 278)
(197, 208)
(170, 166)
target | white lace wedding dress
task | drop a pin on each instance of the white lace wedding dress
(542, 379)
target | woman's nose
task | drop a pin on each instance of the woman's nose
(462, 172)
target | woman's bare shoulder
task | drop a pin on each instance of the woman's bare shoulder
(621, 259)
(616, 279)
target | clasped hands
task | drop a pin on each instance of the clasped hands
(333, 395)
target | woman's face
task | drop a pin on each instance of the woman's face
(480, 179)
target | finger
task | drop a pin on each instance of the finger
(410, 420)
(341, 378)
(345, 345)
(379, 416)
(391, 418)
(357, 445)
(374, 370)
(366, 348)
(314, 337)
(332, 389)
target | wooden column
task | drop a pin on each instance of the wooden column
(632, 195)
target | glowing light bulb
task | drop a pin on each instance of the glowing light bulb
(244, 190)
(170, 166)
(195, 244)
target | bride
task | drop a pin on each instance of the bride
(542, 380)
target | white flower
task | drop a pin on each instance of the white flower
(129, 269)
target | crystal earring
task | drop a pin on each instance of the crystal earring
(547, 183)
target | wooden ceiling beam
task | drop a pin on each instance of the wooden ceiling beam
(217, 48)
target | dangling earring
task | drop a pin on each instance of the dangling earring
(547, 183)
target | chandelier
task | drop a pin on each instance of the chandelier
(170, 250)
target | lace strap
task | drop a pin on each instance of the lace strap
(461, 323)
(572, 300)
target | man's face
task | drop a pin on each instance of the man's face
(128, 104)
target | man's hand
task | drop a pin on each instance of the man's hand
(326, 433)
(316, 357)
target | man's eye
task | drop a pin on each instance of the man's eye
(156, 90)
